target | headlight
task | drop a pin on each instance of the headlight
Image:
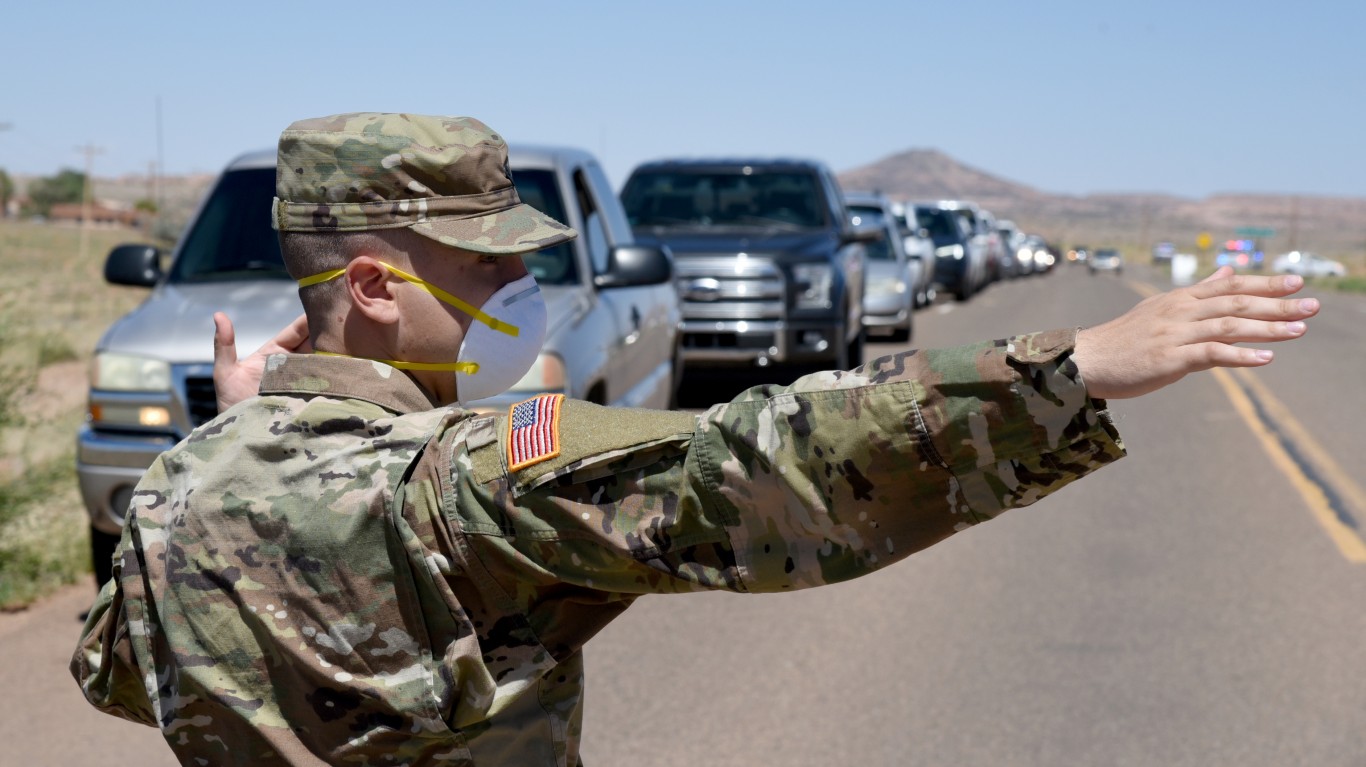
(949, 251)
(814, 281)
(124, 372)
(546, 375)
(1025, 254)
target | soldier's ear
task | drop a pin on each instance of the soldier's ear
(371, 287)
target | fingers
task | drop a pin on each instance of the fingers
(1256, 308)
(1233, 284)
(224, 340)
(1232, 330)
(1219, 274)
(1210, 355)
(294, 337)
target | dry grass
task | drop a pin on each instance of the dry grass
(54, 306)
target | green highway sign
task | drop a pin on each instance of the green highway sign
(1254, 231)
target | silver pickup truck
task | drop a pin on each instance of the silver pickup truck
(612, 337)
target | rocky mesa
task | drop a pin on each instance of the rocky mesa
(1330, 225)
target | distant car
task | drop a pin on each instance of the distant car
(1106, 260)
(990, 235)
(1078, 254)
(1240, 254)
(1307, 264)
(1163, 252)
(1012, 241)
(919, 248)
(889, 283)
(1035, 255)
(955, 268)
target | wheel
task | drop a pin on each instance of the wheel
(102, 546)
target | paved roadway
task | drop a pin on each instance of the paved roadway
(1197, 603)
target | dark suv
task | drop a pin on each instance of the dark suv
(768, 266)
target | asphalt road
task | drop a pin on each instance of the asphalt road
(1197, 603)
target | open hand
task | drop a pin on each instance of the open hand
(235, 380)
(1189, 329)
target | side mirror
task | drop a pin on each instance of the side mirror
(862, 233)
(136, 265)
(635, 265)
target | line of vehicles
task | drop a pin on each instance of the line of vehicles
(726, 262)
(1244, 253)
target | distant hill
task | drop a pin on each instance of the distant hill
(1332, 225)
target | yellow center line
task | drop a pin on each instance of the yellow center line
(1348, 540)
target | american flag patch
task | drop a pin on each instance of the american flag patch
(534, 431)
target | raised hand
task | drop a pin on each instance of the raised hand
(235, 380)
(1189, 329)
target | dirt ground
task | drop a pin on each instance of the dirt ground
(50, 723)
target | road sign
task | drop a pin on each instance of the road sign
(1204, 241)
(1254, 231)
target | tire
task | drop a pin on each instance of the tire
(102, 547)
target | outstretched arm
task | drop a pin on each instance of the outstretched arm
(235, 380)
(1190, 329)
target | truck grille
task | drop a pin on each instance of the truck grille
(201, 403)
(730, 287)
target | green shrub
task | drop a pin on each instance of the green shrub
(53, 348)
(1351, 284)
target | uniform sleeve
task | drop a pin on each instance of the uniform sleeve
(105, 663)
(844, 473)
(830, 478)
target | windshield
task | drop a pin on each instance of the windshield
(880, 249)
(554, 265)
(232, 239)
(784, 200)
(943, 225)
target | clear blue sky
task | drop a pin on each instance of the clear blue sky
(1188, 98)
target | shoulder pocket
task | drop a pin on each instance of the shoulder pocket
(589, 441)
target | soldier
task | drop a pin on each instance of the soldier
(351, 568)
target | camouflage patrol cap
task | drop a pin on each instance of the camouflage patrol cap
(446, 178)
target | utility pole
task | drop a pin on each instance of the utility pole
(89, 150)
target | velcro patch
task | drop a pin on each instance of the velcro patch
(533, 431)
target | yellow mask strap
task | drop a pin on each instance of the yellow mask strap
(493, 322)
(468, 368)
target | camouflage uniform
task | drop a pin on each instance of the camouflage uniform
(336, 573)
(339, 572)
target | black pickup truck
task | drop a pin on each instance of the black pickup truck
(768, 264)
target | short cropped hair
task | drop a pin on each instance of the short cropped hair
(309, 253)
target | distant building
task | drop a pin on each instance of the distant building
(100, 215)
